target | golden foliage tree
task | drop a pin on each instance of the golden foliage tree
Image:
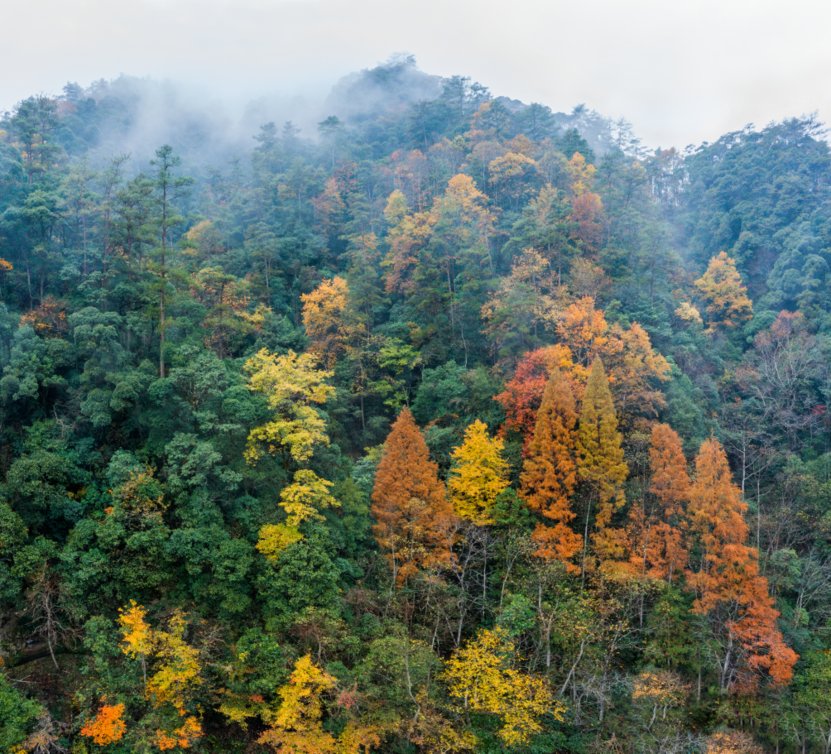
(302, 501)
(549, 473)
(414, 521)
(484, 676)
(727, 301)
(323, 315)
(175, 671)
(296, 727)
(478, 475)
(293, 384)
(601, 466)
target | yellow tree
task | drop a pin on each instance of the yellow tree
(478, 475)
(302, 501)
(407, 236)
(721, 285)
(292, 384)
(175, 676)
(549, 472)
(324, 317)
(484, 676)
(602, 468)
(297, 726)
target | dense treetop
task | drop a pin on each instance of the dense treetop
(456, 425)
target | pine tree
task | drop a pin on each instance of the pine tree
(414, 519)
(479, 474)
(549, 473)
(601, 467)
(726, 579)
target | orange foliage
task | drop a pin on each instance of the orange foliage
(727, 581)
(662, 551)
(182, 737)
(549, 473)
(732, 742)
(48, 319)
(107, 726)
(523, 392)
(588, 220)
(634, 366)
(414, 519)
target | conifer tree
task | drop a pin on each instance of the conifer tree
(480, 473)
(726, 579)
(549, 473)
(414, 519)
(601, 466)
(664, 552)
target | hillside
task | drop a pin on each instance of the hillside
(452, 424)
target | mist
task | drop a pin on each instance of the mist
(681, 73)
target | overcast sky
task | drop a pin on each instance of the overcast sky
(681, 71)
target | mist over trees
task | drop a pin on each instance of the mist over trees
(446, 423)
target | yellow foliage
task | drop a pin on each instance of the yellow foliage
(302, 501)
(689, 313)
(581, 174)
(274, 539)
(305, 496)
(137, 636)
(178, 669)
(722, 287)
(302, 703)
(661, 687)
(297, 725)
(323, 318)
(478, 476)
(481, 674)
(292, 383)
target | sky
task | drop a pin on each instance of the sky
(680, 71)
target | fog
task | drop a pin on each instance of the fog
(680, 72)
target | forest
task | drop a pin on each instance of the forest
(449, 424)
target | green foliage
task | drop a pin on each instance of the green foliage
(168, 435)
(18, 716)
